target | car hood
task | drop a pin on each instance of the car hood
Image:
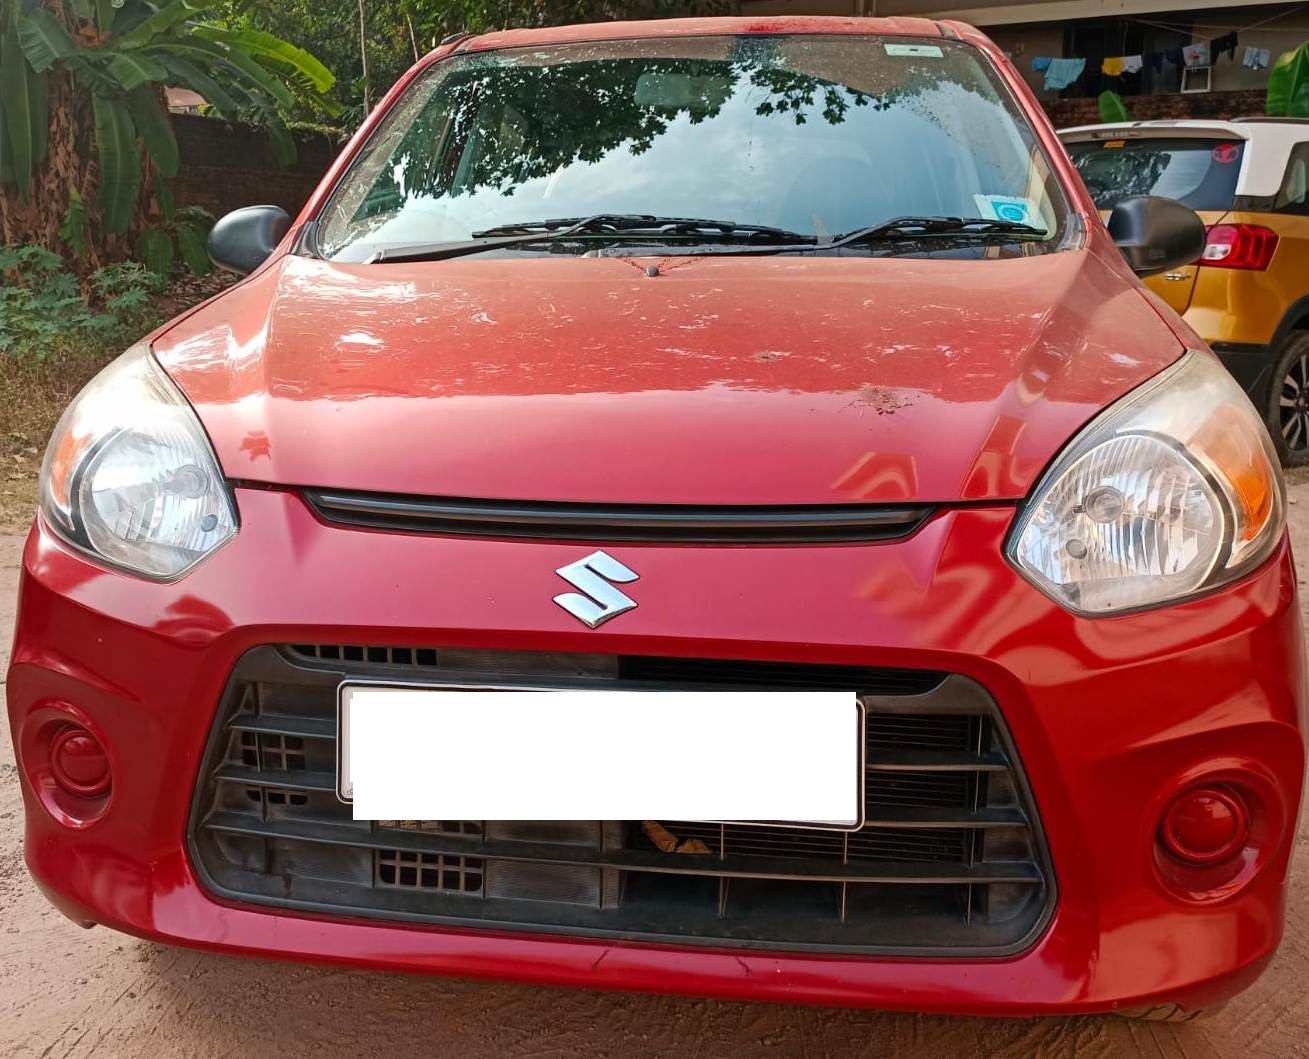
(709, 380)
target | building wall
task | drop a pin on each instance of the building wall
(1025, 41)
(226, 166)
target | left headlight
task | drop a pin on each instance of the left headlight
(1171, 492)
(129, 475)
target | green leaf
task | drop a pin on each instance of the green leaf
(1288, 85)
(84, 9)
(151, 121)
(154, 249)
(1112, 108)
(262, 77)
(73, 229)
(104, 14)
(164, 19)
(192, 242)
(16, 103)
(44, 39)
(284, 53)
(282, 143)
(120, 168)
(188, 75)
(164, 197)
(133, 71)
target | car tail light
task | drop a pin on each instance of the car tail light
(1247, 246)
(1205, 825)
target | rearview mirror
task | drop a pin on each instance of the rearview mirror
(1156, 234)
(242, 240)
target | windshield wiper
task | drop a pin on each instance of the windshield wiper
(919, 227)
(560, 228)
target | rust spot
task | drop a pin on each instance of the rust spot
(881, 399)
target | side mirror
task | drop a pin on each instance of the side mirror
(242, 240)
(1156, 234)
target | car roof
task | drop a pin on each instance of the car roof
(705, 27)
(1263, 165)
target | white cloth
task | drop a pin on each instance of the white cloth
(1131, 64)
(1256, 58)
(1196, 54)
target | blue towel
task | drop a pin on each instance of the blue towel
(1041, 63)
(1063, 72)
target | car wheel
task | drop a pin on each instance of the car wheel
(1288, 404)
(1171, 1013)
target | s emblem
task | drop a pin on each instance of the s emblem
(599, 600)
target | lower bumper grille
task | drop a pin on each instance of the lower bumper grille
(950, 859)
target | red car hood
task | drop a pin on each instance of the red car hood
(721, 380)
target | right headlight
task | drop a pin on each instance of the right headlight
(129, 477)
(1173, 491)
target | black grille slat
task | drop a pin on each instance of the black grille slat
(948, 859)
(670, 523)
(744, 866)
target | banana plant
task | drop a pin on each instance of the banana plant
(1288, 85)
(108, 62)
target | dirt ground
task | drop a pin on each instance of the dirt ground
(68, 992)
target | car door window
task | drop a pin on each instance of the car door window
(1294, 196)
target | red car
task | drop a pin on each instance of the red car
(720, 355)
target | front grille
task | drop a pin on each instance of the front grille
(950, 858)
(664, 523)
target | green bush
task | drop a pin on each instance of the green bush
(43, 310)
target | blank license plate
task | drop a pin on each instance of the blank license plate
(425, 753)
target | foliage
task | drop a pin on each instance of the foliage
(1112, 108)
(43, 312)
(399, 31)
(118, 55)
(1288, 85)
(178, 232)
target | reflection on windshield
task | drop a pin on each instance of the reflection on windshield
(815, 134)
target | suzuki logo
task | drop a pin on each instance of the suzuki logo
(592, 576)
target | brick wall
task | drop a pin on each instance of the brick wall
(226, 166)
(1066, 112)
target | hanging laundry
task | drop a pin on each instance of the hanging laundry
(1063, 72)
(1256, 58)
(1196, 54)
(1225, 45)
(1132, 64)
(1041, 63)
(1112, 67)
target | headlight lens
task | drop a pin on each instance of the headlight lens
(129, 475)
(1174, 490)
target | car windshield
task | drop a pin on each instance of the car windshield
(1198, 173)
(817, 135)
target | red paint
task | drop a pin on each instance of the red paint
(1205, 826)
(79, 763)
(692, 382)
(574, 380)
(1112, 718)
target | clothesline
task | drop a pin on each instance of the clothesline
(1062, 72)
(1191, 27)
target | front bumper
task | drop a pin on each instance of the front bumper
(1110, 717)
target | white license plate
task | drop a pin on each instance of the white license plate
(408, 752)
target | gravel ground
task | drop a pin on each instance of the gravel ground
(65, 991)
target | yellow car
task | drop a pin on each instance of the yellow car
(1248, 294)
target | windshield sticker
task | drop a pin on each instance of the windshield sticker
(1004, 208)
(914, 51)
(1225, 153)
(1114, 143)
